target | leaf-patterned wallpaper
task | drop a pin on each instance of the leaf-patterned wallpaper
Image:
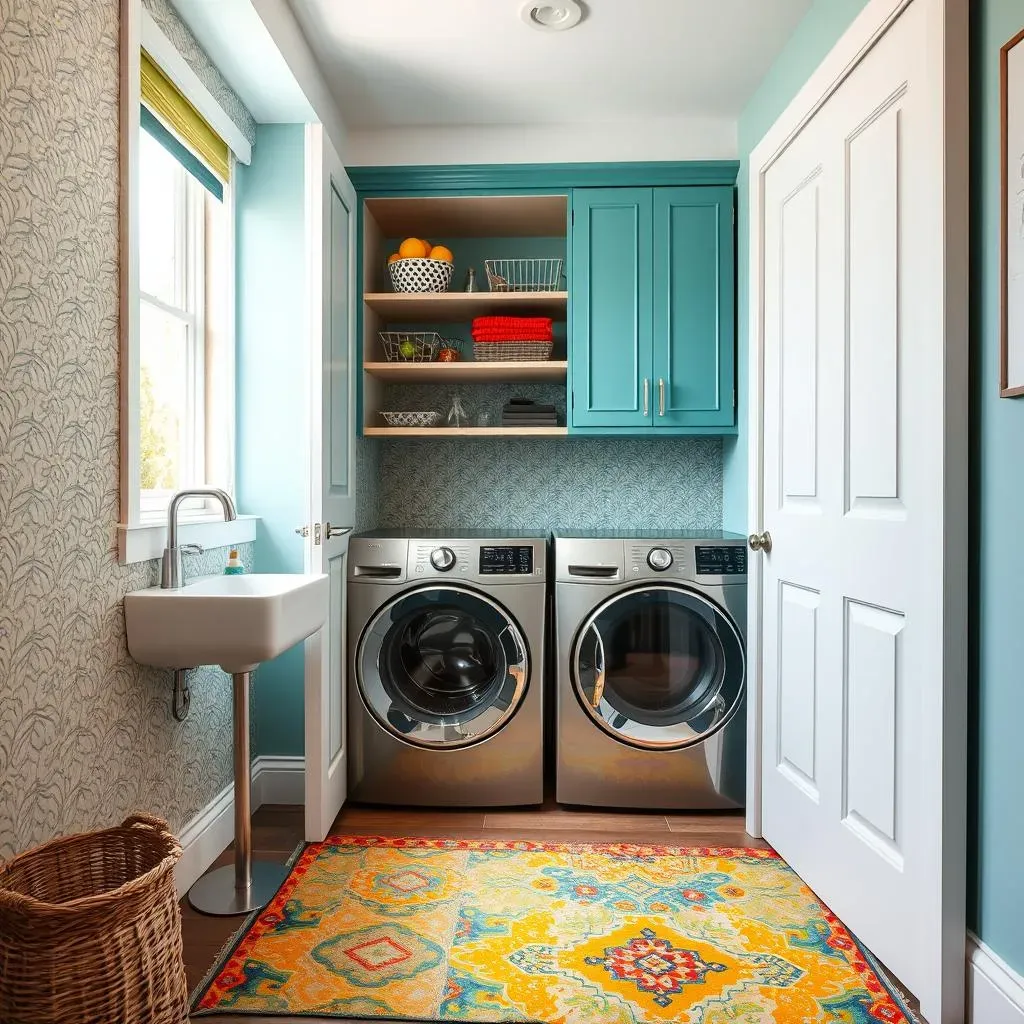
(206, 71)
(86, 735)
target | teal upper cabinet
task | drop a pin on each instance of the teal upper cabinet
(694, 319)
(611, 295)
(652, 345)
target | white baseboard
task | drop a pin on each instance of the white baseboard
(204, 839)
(275, 780)
(278, 780)
(995, 991)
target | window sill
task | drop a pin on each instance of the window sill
(146, 541)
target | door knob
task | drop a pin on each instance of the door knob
(302, 531)
(336, 531)
(760, 542)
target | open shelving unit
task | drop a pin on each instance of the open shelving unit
(465, 431)
(473, 227)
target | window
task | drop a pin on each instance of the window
(172, 356)
(184, 263)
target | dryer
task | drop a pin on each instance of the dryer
(651, 676)
(446, 650)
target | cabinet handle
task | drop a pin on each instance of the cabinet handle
(647, 396)
(661, 396)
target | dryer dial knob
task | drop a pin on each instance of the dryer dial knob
(442, 559)
(659, 559)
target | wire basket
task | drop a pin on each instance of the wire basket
(532, 275)
(421, 275)
(411, 419)
(512, 351)
(410, 346)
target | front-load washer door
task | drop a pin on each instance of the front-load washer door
(442, 666)
(659, 667)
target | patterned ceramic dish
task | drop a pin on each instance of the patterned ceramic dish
(411, 419)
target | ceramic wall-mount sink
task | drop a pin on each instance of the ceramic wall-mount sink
(236, 622)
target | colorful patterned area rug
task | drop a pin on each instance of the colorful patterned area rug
(438, 930)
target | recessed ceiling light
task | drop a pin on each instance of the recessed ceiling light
(553, 17)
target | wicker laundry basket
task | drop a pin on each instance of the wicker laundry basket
(90, 930)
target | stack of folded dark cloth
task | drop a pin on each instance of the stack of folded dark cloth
(523, 412)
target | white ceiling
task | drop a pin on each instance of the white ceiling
(394, 63)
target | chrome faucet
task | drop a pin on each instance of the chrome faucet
(170, 572)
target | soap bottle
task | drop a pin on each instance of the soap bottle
(234, 566)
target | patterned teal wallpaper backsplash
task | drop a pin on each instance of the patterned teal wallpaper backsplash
(545, 483)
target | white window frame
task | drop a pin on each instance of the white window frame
(142, 537)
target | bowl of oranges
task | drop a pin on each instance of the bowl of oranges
(419, 266)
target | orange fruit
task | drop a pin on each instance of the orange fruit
(442, 252)
(412, 248)
(394, 256)
(426, 245)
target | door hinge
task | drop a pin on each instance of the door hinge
(317, 533)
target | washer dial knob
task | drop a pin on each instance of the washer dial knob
(442, 559)
(659, 559)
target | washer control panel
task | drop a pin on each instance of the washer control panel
(721, 560)
(443, 559)
(506, 559)
(659, 559)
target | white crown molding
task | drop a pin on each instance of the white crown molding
(177, 69)
(275, 780)
(995, 991)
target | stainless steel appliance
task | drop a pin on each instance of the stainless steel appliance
(446, 657)
(649, 631)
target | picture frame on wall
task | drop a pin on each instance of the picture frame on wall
(1011, 88)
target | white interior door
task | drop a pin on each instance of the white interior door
(331, 236)
(862, 488)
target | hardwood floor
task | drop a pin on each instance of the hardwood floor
(277, 830)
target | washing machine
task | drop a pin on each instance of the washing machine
(446, 642)
(651, 670)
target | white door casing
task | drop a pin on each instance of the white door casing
(858, 431)
(330, 221)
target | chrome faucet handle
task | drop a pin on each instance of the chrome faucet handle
(191, 549)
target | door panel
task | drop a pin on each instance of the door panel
(330, 201)
(694, 319)
(611, 307)
(854, 416)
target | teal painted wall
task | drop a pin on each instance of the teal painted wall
(271, 395)
(821, 27)
(997, 494)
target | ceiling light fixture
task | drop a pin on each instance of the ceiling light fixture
(554, 17)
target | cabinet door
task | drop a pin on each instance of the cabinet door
(611, 291)
(694, 312)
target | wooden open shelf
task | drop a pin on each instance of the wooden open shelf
(456, 307)
(469, 373)
(470, 216)
(465, 431)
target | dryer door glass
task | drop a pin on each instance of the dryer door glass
(659, 667)
(442, 667)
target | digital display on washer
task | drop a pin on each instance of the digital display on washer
(517, 561)
(722, 561)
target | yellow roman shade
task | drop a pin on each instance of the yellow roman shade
(162, 97)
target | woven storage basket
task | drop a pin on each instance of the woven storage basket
(90, 930)
(421, 275)
(512, 351)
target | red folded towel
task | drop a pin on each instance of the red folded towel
(488, 323)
